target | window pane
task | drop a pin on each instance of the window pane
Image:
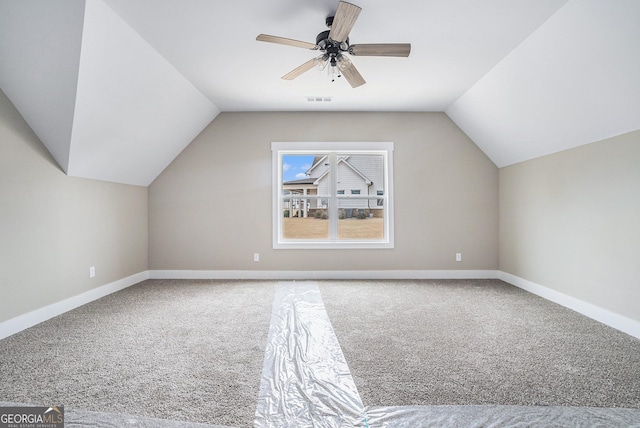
(302, 176)
(357, 221)
(304, 210)
(363, 174)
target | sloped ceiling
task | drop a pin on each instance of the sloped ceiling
(39, 58)
(105, 103)
(115, 89)
(574, 81)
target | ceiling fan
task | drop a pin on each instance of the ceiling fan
(334, 44)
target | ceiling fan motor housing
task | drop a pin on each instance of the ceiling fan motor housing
(324, 43)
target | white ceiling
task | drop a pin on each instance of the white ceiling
(117, 88)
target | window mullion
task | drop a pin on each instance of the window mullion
(333, 215)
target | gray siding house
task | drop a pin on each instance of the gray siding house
(360, 178)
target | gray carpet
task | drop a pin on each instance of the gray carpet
(182, 350)
(193, 351)
(477, 342)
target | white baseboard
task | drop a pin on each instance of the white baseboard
(619, 322)
(318, 275)
(22, 322)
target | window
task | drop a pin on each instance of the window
(311, 208)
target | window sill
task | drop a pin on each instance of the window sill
(327, 245)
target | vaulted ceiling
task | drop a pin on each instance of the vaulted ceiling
(115, 89)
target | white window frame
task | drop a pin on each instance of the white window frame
(278, 149)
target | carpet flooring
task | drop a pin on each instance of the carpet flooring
(193, 351)
(182, 350)
(477, 342)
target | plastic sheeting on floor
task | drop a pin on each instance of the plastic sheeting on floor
(501, 416)
(305, 379)
(306, 383)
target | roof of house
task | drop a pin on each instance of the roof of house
(308, 181)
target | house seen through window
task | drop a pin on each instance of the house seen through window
(332, 195)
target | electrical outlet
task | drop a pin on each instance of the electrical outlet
(256, 257)
(458, 257)
(92, 271)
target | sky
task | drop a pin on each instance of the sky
(294, 166)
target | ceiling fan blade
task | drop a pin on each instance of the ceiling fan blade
(302, 69)
(350, 72)
(343, 21)
(285, 41)
(381, 49)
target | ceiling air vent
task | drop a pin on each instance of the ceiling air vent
(319, 99)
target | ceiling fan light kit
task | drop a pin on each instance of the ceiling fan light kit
(334, 44)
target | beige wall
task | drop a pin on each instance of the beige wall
(568, 221)
(211, 208)
(53, 227)
(571, 222)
